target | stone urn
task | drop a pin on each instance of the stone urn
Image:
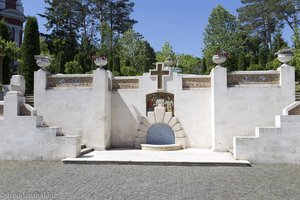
(43, 61)
(219, 59)
(169, 62)
(100, 61)
(285, 57)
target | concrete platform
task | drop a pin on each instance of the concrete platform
(184, 157)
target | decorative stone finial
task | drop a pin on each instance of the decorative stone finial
(170, 62)
(220, 57)
(100, 61)
(43, 61)
(285, 55)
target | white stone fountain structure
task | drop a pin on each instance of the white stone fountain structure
(161, 131)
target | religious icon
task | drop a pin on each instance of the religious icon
(169, 104)
(151, 103)
(166, 99)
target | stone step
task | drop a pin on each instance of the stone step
(83, 146)
(168, 147)
(230, 150)
(85, 151)
(29, 99)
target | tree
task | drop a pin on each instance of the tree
(30, 48)
(262, 57)
(64, 21)
(8, 49)
(61, 58)
(188, 63)
(204, 68)
(241, 62)
(4, 66)
(223, 33)
(150, 60)
(73, 67)
(166, 51)
(258, 16)
(135, 53)
(86, 52)
(287, 12)
(114, 21)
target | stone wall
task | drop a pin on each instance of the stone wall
(80, 104)
(191, 107)
(211, 109)
(280, 144)
(236, 110)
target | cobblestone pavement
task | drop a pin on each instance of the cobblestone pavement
(54, 180)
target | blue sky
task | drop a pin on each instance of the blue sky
(180, 22)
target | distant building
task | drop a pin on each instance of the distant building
(12, 11)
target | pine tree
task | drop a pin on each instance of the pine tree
(241, 62)
(262, 57)
(61, 62)
(204, 68)
(223, 33)
(30, 48)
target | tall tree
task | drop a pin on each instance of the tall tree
(287, 12)
(64, 20)
(114, 21)
(223, 33)
(204, 68)
(258, 17)
(136, 55)
(30, 48)
(166, 51)
(188, 63)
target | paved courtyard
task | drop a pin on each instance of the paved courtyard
(53, 180)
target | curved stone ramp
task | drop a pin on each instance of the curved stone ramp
(160, 116)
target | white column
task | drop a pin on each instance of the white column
(218, 112)
(12, 102)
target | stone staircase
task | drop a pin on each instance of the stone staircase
(279, 144)
(297, 96)
(84, 150)
(25, 136)
(29, 99)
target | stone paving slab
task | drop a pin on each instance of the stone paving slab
(183, 157)
(56, 181)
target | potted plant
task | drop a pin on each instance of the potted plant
(285, 55)
(220, 57)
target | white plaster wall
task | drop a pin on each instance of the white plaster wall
(280, 144)
(192, 108)
(23, 137)
(237, 110)
(79, 111)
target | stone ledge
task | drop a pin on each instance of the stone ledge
(168, 147)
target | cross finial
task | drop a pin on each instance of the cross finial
(159, 72)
